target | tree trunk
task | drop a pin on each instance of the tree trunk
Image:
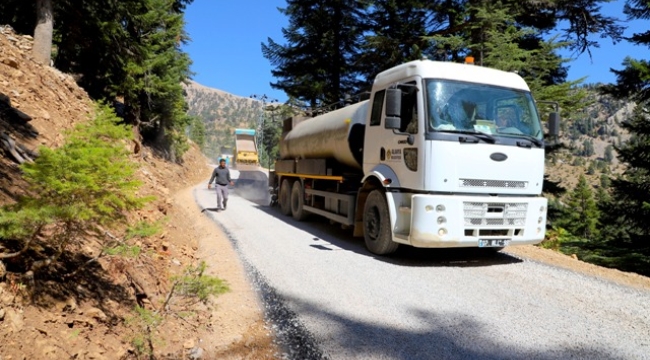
(43, 32)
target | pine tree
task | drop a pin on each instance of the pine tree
(322, 38)
(605, 181)
(634, 80)
(631, 192)
(128, 49)
(584, 213)
(609, 154)
(494, 36)
(87, 183)
(152, 83)
(395, 34)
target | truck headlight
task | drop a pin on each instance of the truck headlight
(440, 208)
(442, 232)
(539, 221)
(441, 220)
(541, 209)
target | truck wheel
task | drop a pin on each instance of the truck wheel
(376, 225)
(285, 197)
(298, 201)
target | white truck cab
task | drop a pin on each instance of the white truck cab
(459, 151)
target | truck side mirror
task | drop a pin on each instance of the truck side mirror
(393, 108)
(554, 124)
(392, 122)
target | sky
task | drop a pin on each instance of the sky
(227, 54)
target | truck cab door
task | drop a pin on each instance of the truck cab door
(398, 145)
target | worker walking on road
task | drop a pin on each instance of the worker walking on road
(221, 177)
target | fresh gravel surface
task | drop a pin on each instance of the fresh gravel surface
(328, 297)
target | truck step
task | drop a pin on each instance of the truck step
(404, 210)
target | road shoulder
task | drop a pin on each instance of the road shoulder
(237, 328)
(554, 258)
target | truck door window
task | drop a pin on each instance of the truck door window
(409, 110)
(377, 107)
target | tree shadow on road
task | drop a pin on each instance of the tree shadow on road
(432, 335)
(328, 237)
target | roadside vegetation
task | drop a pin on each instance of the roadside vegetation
(603, 218)
(127, 53)
(76, 193)
(81, 194)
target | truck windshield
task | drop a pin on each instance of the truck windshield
(461, 107)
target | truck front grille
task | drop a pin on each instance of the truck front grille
(494, 214)
(478, 183)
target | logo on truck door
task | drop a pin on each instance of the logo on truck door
(393, 154)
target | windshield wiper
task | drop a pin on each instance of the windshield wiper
(483, 136)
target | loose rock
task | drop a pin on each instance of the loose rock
(195, 353)
(10, 61)
(96, 313)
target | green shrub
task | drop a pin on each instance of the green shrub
(124, 250)
(144, 322)
(143, 229)
(556, 237)
(194, 283)
(86, 183)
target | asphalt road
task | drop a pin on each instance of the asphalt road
(328, 297)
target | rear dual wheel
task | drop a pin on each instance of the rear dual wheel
(285, 197)
(292, 199)
(298, 201)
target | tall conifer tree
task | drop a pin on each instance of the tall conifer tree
(583, 211)
(315, 64)
(632, 190)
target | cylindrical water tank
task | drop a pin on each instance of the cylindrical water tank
(337, 134)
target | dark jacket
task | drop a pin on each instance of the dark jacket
(220, 176)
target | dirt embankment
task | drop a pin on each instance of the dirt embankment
(90, 315)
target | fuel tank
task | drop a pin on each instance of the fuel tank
(338, 134)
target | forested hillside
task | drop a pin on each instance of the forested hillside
(597, 177)
(590, 139)
(126, 53)
(221, 113)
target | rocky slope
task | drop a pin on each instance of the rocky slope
(91, 314)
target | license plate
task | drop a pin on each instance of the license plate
(493, 242)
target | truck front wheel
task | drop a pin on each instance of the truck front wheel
(298, 201)
(376, 225)
(285, 197)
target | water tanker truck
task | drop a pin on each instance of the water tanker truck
(441, 155)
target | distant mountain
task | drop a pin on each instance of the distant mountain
(589, 136)
(221, 112)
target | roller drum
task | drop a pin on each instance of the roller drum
(338, 134)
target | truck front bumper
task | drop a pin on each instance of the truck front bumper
(439, 221)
